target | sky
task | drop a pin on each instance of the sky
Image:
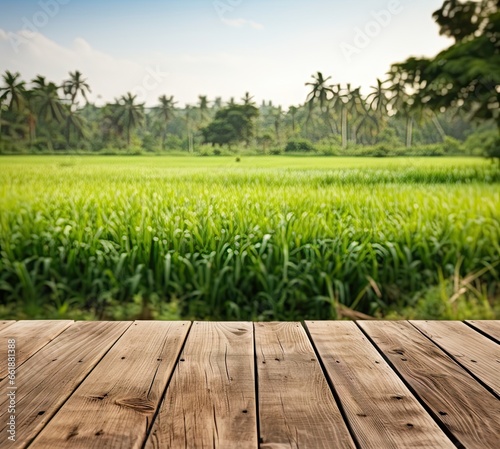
(218, 48)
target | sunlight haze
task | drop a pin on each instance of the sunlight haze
(215, 48)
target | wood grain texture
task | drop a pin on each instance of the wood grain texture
(296, 406)
(30, 337)
(491, 328)
(370, 391)
(115, 405)
(6, 323)
(210, 401)
(48, 378)
(464, 407)
(469, 348)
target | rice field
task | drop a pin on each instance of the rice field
(266, 238)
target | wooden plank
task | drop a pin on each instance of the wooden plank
(210, 402)
(296, 406)
(6, 323)
(468, 410)
(30, 337)
(491, 328)
(474, 351)
(370, 391)
(115, 405)
(48, 378)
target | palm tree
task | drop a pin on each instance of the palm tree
(203, 107)
(310, 114)
(74, 121)
(31, 114)
(2, 121)
(189, 116)
(402, 103)
(13, 91)
(248, 100)
(423, 113)
(39, 83)
(321, 93)
(277, 115)
(129, 114)
(341, 100)
(166, 112)
(356, 111)
(217, 103)
(76, 85)
(320, 90)
(110, 127)
(378, 100)
(361, 116)
(293, 110)
(47, 105)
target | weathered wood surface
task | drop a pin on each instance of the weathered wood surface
(48, 378)
(243, 385)
(115, 404)
(468, 411)
(296, 406)
(6, 323)
(30, 337)
(381, 410)
(490, 328)
(211, 399)
(475, 352)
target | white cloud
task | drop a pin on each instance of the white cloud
(238, 23)
(32, 54)
(184, 75)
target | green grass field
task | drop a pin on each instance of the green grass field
(285, 238)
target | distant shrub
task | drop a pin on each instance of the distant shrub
(275, 151)
(382, 150)
(329, 151)
(478, 142)
(173, 142)
(434, 149)
(493, 150)
(148, 142)
(135, 151)
(389, 138)
(452, 146)
(217, 152)
(299, 146)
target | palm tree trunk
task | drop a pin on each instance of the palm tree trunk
(32, 131)
(164, 139)
(344, 127)
(190, 142)
(328, 122)
(128, 136)
(438, 126)
(409, 131)
(68, 133)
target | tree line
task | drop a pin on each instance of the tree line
(421, 101)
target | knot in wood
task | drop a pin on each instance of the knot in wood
(138, 404)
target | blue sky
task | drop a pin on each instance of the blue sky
(213, 47)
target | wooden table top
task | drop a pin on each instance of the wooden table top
(329, 384)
